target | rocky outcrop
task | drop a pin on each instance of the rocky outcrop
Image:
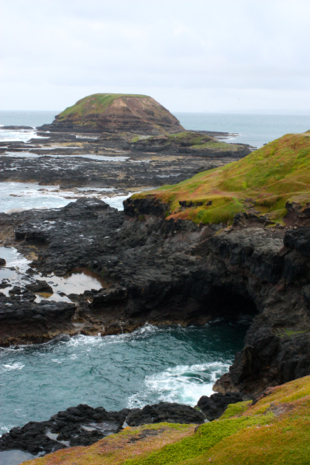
(84, 425)
(164, 412)
(116, 113)
(215, 405)
(193, 143)
(23, 321)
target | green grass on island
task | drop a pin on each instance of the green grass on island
(96, 103)
(262, 182)
(274, 431)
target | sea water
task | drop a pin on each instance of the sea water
(172, 364)
(255, 129)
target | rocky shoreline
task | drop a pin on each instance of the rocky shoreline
(160, 271)
(152, 270)
(84, 425)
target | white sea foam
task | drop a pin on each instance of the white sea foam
(184, 384)
(13, 366)
(146, 331)
(25, 154)
(25, 196)
(20, 135)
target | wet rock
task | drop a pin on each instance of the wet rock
(40, 286)
(60, 338)
(2, 262)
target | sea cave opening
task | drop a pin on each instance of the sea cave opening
(225, 303)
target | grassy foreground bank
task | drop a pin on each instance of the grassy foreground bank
(262, 183)
(276, 430)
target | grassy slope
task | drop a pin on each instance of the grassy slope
(95, 103)
(275, 430)
(263, 181)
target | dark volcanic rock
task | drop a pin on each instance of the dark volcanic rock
(21, 320)
(215, 405)
(16, 127)
(192, 143)
(84, 425)
(145, 206)
(40, 286)
(76, 426)
(164, 412)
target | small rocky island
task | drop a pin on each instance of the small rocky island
(116, 113)
(232, 240)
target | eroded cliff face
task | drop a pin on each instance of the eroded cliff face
(178, 272)
(117, 113)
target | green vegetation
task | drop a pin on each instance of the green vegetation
(274, 431)
(198, 444)
(290, 333)
(96, 103)
(262, 183)
(236, 409)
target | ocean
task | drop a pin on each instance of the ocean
(256, 129)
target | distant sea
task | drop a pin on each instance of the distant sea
(256, 129)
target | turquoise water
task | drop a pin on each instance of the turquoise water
(26, 118)
(255, 130)
(130, 370)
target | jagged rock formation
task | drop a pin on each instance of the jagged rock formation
(116, 113)
(84, 425)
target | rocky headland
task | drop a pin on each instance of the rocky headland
(231, 241)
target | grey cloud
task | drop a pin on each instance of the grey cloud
(202, 44)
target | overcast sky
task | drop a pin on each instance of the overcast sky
(190, 55)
